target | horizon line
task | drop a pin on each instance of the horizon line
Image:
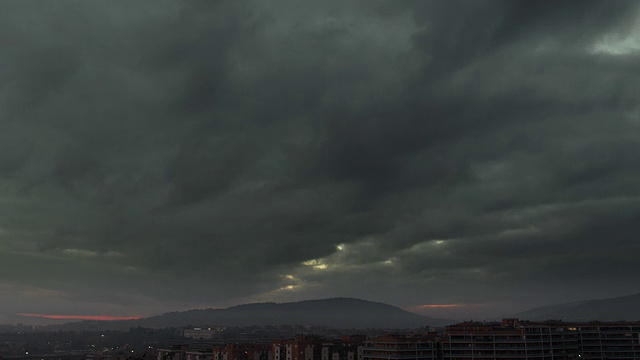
(80, 317)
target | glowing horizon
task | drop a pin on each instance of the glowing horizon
(438, 306)
(80, 317)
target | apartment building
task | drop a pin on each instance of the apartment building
(514, 339)
(402, 348)
(608, 340)
(241, 351)
(345, 348)
(302, 347)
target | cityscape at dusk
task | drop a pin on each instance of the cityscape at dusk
(352, 164)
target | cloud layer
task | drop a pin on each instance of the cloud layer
(171, 154)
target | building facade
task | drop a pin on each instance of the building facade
(402, 348)
(551, 340)
(613, 341)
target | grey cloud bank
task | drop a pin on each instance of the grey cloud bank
(164, 155)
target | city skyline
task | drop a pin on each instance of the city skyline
(453, 158)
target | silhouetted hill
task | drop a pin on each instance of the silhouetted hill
(619, 308)
(337, 313)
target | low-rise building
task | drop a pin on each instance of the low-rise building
(346, 348)
(302, 347)
(199, 333)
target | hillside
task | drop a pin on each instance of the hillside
(612, 309)
(336, 312)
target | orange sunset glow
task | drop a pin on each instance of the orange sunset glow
(437, 306)
(81, 317)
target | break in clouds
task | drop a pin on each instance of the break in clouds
(163, 155)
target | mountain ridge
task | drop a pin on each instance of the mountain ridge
(620, 308)
(334, 312)
(338, 313)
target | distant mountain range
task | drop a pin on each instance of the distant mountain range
(341, 313)
(619, 308)
(338, 313)
(348, 313)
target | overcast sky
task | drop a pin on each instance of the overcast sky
(164, 155)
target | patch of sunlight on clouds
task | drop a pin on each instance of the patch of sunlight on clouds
(87, 254)
(315, 264)
(79, 253)
(619, 44)
(616, 46)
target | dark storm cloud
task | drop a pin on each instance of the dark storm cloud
(410, 152)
